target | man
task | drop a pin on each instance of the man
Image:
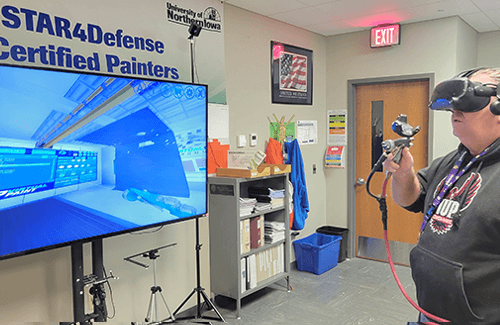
(456, 264)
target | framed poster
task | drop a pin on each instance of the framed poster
(291, 74)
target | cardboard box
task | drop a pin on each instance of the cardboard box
(278, 168)
(244, 173)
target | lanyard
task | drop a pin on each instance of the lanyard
(452, 177)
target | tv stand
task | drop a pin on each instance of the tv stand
(78, 282)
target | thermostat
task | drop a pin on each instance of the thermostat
(253, 139)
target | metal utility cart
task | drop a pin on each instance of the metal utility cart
(225, 236)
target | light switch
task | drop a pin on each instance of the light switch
(242, 141)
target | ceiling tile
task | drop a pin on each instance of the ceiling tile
(333, 28)
(333, 17)
(391, 17)
(494, 15)
(480, 22)
(303, 17)
(346, 9)
(486, 5)
(437, 10)
(312, 3)
(268, 7)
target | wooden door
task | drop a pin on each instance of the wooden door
(377, 107)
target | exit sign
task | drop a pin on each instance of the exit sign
(385, 35)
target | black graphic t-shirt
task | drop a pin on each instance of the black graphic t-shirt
(456, 264)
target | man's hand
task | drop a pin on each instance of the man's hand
(405, 184)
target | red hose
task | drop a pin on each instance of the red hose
(389, 256)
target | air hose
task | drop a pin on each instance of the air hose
(396, 147)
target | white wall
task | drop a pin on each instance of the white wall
(247, 40)
(429, 47)
(488, 49)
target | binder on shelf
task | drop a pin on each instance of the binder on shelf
(282, 258)
(270, 262)
(243, 274)
(245, 235)
(251, 271)
(255, 232)
(262, 232)
(261, 266)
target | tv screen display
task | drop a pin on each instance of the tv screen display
(84, 156)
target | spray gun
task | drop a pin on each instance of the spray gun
(406, 131)
(401, 127)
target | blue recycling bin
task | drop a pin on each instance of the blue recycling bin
(317, 253)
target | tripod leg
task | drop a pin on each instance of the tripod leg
(166, 305)
(150, 308)
(212, 306)
(184, 302)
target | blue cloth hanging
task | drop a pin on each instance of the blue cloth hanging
(298, 180)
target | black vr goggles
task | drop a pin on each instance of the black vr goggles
(462, 94)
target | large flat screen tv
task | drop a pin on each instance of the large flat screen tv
(85, 156)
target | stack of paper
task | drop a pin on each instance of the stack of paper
(266, 191)
(261, 206)
(274, 231)
(276, 198)
(277, 202)
(247, 206)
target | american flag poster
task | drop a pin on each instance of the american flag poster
(293, 71)
(291, 74)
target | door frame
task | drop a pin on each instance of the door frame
(351, 140)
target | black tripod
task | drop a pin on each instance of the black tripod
(194, 31)
(155, 289)
(199, 290)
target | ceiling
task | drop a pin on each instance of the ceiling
(346, 16)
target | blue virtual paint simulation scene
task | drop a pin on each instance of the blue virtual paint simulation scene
(85, 155)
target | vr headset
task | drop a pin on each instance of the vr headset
(461, 94)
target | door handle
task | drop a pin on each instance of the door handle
(360, 182)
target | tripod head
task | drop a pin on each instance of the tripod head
(152, 254)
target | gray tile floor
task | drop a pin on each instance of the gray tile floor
(356, 291)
